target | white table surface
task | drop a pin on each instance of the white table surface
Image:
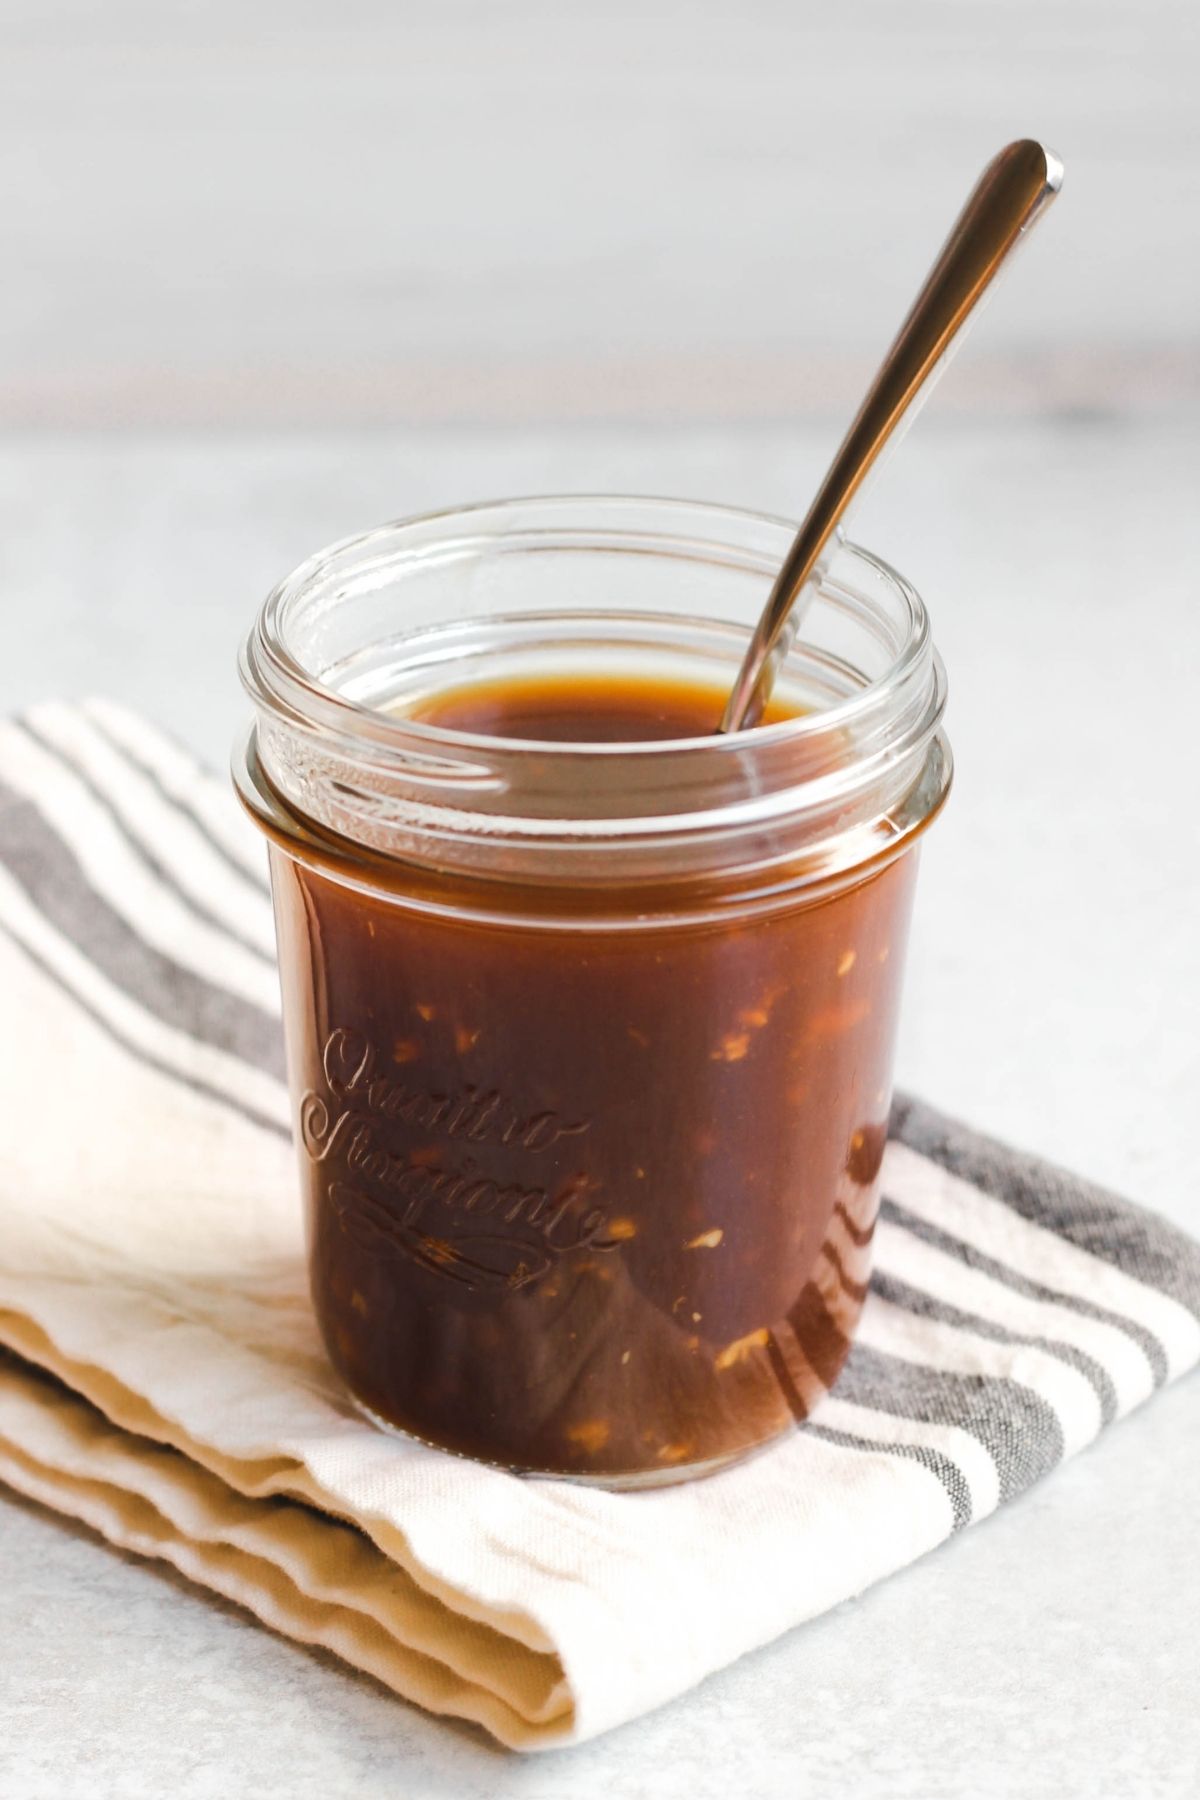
(1053, 998)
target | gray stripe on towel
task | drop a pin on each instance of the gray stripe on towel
(41, 862)
(963, 1252)
(946, 1470)
(161, 1067)
(138, 845)
(925, 1306)
(1138, 1242)
(1019, 1430)
(191, 813)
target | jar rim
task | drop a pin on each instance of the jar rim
(830, 789)
(269, 669)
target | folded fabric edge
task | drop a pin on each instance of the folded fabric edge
(291, 1478)
(471, 1647)
(276, 1600)
(70, 1470)
(280, 1476)
(915, 1485)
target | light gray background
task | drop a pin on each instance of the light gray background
(273, 273)
(300, 210)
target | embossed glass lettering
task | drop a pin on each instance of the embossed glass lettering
(409, 1188)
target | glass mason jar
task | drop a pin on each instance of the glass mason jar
(589, 1044)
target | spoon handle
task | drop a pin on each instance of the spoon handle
(1012, 191)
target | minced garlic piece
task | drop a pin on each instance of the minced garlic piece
(590, 1435)
(740, 1348)
(708, 1240)
(832, 1021)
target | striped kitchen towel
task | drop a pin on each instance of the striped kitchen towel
(161, 1378)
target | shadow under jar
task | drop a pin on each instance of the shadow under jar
(589, 1042)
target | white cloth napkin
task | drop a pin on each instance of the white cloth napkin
(164, 1383)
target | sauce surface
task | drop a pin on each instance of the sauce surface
(589, 1199)
(617, 709)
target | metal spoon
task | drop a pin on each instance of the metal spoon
(1012, 192)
